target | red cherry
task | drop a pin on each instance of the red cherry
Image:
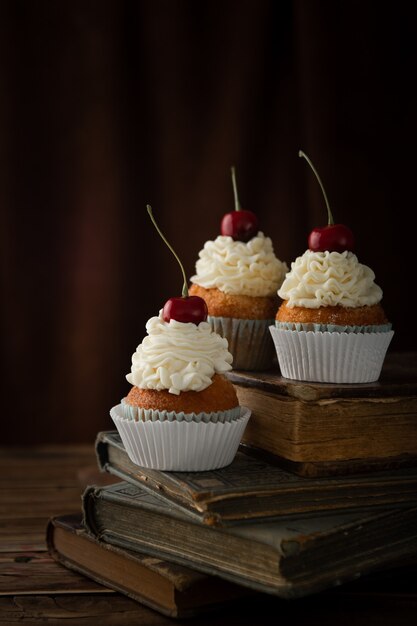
(333, 238)
(240, 225)
(190, 309)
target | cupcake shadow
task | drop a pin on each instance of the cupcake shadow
(249, 341)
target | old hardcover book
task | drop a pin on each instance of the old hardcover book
(288, 558)
(325, 429)
(251, 488)
(169, 588)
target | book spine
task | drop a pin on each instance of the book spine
(88, 508)
(102, 454)
(49, 540)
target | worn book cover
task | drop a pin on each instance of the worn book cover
(251, 488)
(169, 588)
(288, 558)
(323, 429)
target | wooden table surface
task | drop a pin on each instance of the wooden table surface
(38, 483)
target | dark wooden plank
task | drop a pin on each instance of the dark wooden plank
(46, 467)
(73, 610)
(29, 573)
(22, 534)
(39, 502)
(115, 610)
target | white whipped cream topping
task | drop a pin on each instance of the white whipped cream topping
(235, 267)
(178, 356)
(329, 279)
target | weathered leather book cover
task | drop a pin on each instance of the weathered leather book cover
(288, 558)
(251, 488)
(169, 588)
(323, 429)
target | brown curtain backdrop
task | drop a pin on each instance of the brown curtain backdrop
(106, 105)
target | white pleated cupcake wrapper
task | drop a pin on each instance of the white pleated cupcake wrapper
(137, 413)
(333, 328)
(331, 357)
(249, 341)
(180, 446)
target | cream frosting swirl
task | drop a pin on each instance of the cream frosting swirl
(178, 356)
(235, 267)
(329, 279)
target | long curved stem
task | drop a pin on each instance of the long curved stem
(184, 287)
(329, 213)
(237, 203)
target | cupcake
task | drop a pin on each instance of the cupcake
(181, 413)
(238, 275)
(331, 326)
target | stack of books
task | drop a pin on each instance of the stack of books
(305, 505)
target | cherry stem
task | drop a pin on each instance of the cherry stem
(184, 287)
(237, 203)
(329, 213)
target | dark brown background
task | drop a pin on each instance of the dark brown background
(108, 105)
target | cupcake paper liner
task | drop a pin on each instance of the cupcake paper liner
(137, 413)
(179, 445)
(249, 341)
(333, 328)
(331, 357)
